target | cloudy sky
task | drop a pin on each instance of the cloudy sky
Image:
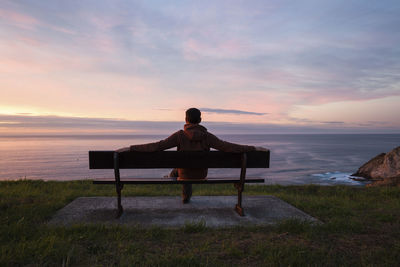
(253, 66)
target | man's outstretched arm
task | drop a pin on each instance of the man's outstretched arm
(224, 146)
(171, 141)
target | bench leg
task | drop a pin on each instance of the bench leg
(238, 206)
(120, 209)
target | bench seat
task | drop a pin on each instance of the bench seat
(209, 180)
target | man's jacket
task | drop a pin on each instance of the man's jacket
(194, 137)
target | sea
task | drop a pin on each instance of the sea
(296, 159)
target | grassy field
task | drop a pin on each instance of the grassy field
(361, 227)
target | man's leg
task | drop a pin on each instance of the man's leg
(186, 188)
(186, 193)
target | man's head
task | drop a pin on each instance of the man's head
(193, 115)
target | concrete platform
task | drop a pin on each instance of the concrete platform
(214, 211)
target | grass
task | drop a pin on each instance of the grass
(361, 227)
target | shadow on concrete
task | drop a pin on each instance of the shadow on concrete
(213, 211)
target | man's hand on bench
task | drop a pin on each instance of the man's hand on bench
(124, 149)
(259, 148)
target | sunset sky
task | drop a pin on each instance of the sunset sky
(250, 66)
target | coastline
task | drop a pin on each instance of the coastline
(326, 159)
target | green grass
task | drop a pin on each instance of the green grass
(361, 227)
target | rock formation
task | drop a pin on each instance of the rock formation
(367, 170)
(382, 167)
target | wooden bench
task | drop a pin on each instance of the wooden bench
(175, 159)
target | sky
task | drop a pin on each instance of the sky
(96, 66)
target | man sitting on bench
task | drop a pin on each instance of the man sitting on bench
(194, 137)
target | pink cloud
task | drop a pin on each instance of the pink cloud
(62, 29)
(23, 67)
(29, 22)
(27, 57)
(231, 48)
(18, 19)
(29, 41)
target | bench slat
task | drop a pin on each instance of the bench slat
(211, 180)
(174, 159)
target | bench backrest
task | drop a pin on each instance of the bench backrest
(177, 159)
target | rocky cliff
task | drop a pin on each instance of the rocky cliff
(382, 167)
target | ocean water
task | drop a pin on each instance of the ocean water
(295, 159)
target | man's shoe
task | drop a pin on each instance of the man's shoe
(185, 200)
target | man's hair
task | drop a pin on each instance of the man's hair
(193, 115)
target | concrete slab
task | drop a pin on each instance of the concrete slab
(214, 211)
